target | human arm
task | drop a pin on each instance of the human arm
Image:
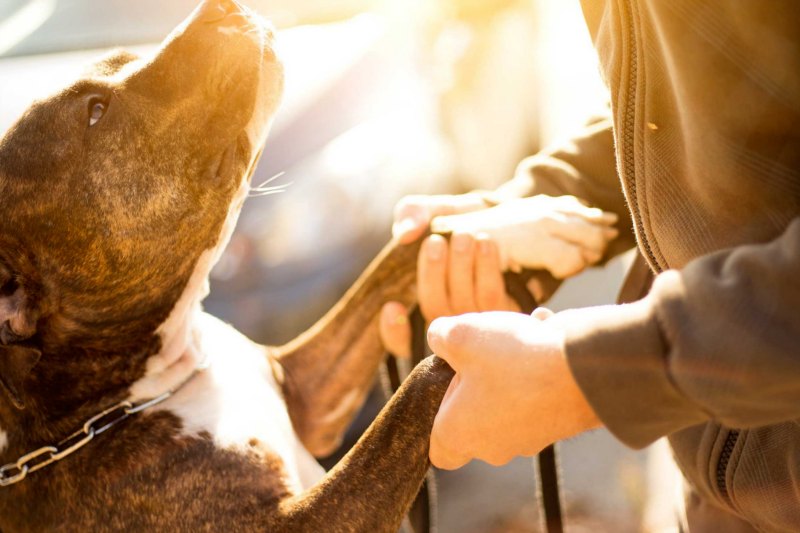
(717, 339)
(513, 393)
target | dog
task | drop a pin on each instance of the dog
(123, 405)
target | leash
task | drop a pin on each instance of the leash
(17, 471)
(422, 515)
(549, 494)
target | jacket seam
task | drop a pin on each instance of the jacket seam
(639, 142)
(628, 92)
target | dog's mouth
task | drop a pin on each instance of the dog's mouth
(245, 150)
(226, 166)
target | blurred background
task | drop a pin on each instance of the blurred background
(383, 98)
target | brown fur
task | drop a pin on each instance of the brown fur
(102, 228)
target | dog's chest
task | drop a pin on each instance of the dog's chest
(238, 402)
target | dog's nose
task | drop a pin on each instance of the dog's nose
(216, 10)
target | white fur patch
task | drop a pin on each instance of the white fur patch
(237, 399)
(3, 440)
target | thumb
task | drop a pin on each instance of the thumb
(411, 221)
(448, 338)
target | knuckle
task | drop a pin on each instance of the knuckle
(459, 333)
(409, 205)
(597, 237)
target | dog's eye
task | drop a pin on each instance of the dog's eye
(96, 111)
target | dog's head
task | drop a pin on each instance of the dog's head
(115, 188)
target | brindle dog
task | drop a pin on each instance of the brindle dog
(117, 196)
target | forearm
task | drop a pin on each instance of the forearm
(716, 340)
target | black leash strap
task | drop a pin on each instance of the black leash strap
(422, 515)
(547, 462)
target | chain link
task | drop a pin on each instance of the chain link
(97, 424)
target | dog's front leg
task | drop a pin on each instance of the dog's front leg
(372, 487)
(329, 369)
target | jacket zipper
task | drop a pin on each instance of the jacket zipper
(630, 178)
(724, 459)
(629, 136)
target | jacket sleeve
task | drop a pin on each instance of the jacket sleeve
(584, 167)
(719, 339)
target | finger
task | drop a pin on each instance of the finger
(456, 338)
(432, 278)
(571, 205)
(542, 313)
(586, 234)
(590, 256)
(444, 338)
(412, 216)
(395, 331)
(444, 458)
(536, 288)
(490, 291)
(566, 259)
(447, 446)
(446, 224)
(460, 271)
(497, 459)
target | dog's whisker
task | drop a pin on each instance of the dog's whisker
(268, 181)
(266, 193)
(264, 190)
(273, 188)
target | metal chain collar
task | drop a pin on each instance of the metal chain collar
(94, 426)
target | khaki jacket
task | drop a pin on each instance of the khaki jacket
(704, 138)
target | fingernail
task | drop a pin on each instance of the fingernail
(434, 248)
(610, 233)
(400, 320)
(404, 226)
(484, 244)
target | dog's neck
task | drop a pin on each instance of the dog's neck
(77, 383)
(85, 384)
(179, 354)
(179, 357)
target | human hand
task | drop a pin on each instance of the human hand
(554, 233)
(466, 275)
(513, 393)
(413, 214)
(455, 277)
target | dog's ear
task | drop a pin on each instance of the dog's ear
(18, 314)
(18, 318)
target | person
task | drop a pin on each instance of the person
(700, 161)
